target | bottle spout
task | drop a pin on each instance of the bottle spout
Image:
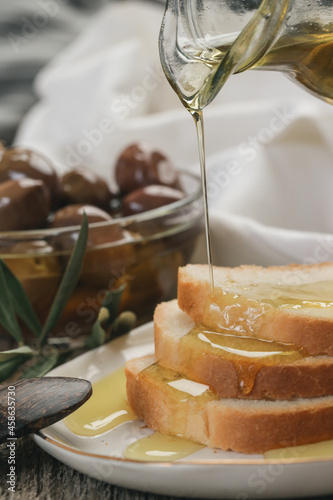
(202, 43)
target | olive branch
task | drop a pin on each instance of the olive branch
(33, 361)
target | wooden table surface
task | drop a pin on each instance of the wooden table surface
(39, 476)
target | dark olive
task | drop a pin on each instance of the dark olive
(18, 163)
(72, 215)
(140, 165)
(148, 198)
(84, 186)
(24, 204)
(106, 255)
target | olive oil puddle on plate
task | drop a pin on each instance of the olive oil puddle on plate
(160, 448)
(108, 407)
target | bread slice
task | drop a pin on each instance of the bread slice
(305, 378)
(229, 424)
(251, 299)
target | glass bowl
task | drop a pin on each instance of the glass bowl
(142, 251)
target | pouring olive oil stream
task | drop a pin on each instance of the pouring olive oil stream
(203, 43)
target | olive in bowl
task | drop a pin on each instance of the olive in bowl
(141, 247)
(106, 237)
(24, 204)
(19, 163)
(140, 165)
(148, 198)
(81, 185)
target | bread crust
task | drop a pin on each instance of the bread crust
(315, 334)
(305, 378)
(290, 404)
(244, 427)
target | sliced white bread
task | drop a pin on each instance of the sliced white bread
(229, 424)
(305, 378)
(244, 302)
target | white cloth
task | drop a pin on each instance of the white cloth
(269, 144)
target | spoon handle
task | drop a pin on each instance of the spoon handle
(32, 404)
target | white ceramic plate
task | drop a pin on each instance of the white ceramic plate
(206, 473)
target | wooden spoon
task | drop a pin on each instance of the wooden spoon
(32, 404)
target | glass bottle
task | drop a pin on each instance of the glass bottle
(203, 42)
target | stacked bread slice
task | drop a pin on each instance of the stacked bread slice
(248, 368)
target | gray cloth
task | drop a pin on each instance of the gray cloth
(31, 33)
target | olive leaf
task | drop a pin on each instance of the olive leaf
(42, 365)
(7, 313)
(20, 300)
(68, 282)
(24, 350)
